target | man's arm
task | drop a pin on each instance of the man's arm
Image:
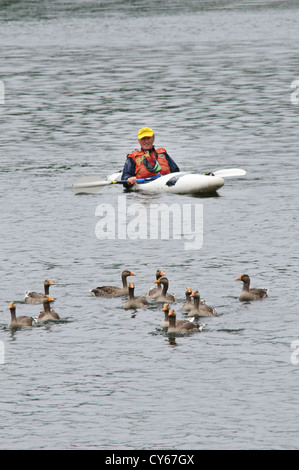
(172, 165)
(128, 171)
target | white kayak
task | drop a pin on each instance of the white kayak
(178, 183)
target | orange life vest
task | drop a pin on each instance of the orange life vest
(141, 171)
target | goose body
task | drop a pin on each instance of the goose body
(113, 291)
(47, 314)
(164, 296)
(200, 309)
(248, 293)
(157, 290)
(182, 326)
(19, 321)
(32, 297)
(135, 302)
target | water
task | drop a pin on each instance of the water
(214, 81)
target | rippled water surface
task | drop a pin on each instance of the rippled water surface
(213, 79)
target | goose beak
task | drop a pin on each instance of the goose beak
(238, 278)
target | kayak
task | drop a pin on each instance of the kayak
(178, 183)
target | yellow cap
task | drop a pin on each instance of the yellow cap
(145, 132)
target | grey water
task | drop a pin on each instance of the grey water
(217, 82)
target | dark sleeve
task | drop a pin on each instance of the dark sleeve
(128, 171)
(172, 165)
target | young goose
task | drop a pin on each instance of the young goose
(165, 322)
(182, 326)
(164, 296)
(157, 290)
(19, 321)
(135, 302)
(188, 304)
(113, 291)
(200, 309)
(48, 314)
(36, 297)
(250, 293)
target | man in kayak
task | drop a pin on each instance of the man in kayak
(147, 161)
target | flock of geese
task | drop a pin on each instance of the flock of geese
(31, 297)
(193, 307)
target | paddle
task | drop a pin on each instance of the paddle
(91, 184)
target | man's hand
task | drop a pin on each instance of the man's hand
(131, 180)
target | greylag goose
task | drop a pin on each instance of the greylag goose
(113, 291)
(36, 297)
(250, 293)
(165, 322)
(188, 304)
(157, 290)
(200, 309)
(48, 314)
(135, 302)
(19, 321)
(164, 296)
(182, 326)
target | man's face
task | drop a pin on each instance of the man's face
(147, 142)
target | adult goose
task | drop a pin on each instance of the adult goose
(47, 314)
(164, 296)
(36, 297)
(200, 309)
(157, 290)
(113, 291)
(248, 293)
(182, 326)
(135, 302)
(19, 321)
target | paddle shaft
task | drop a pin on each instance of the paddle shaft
(140, 180)
(94, 182)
